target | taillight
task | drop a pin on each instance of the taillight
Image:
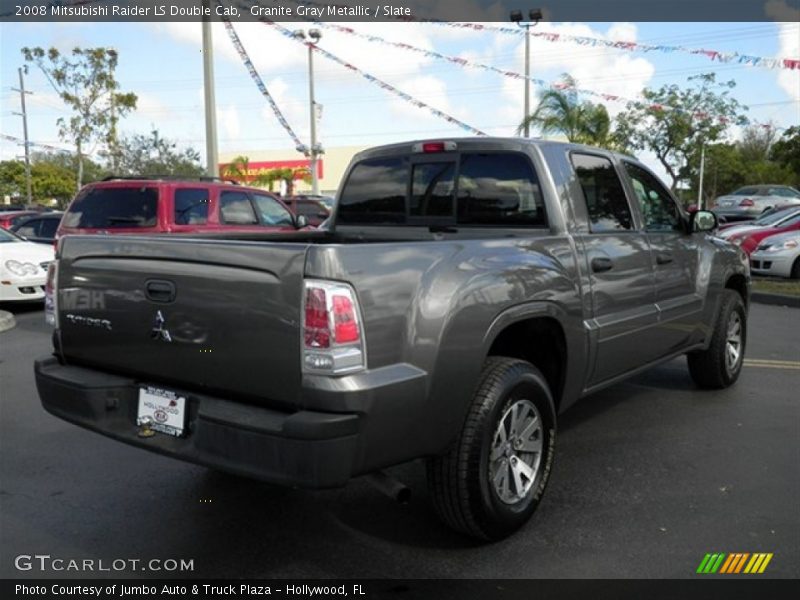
(51, 295)
(332, 337)
(746, 202)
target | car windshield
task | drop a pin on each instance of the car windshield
(7, 236)
(773, 218)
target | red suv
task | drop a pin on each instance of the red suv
(144, 206)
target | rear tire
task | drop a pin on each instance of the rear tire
(720, 364)
(795, 273)
(491, 480)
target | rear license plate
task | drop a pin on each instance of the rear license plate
(165, 410)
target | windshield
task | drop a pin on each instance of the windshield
(7, 236)
(773, 218)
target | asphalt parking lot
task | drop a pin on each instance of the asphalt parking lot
(650, 475)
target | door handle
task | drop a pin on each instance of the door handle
(663, 259)
(601, 263)
(159, 290)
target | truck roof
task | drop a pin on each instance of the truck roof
(480, 143)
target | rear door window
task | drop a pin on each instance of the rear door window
(110, 207)
(375, 192)
(235, 209)
(605, 197)
(191, 206)
(29, 229)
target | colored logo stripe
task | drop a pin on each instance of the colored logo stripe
(734, 563)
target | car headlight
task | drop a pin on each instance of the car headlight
(21, 269)
(787, 245)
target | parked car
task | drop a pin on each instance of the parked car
(144, 206)
(326, 200)
(314, 210)
(10, 218)
(751, 201)
(40, 228)
(778, 256)
(772, 218)
(23, 268)
(749, 239)
(467, 292)
(764, 219)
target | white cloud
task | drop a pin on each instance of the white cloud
(789, 36)
(230, 121)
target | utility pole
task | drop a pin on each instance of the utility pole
(24, 115)
(702, 169)
(212, 162)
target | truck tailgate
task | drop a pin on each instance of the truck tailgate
(197, 314)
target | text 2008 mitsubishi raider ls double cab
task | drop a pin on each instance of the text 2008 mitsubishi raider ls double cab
(468, 291)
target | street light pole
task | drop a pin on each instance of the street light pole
(24, 115)
(212, 162)
(535, 15)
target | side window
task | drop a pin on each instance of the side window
(235, 209)
(499, 189)
(605, 197)
(48, 228)
(191, 206)
(432, 187)
(271, 211)
(375, 192)
(659, 210)
(30, 229)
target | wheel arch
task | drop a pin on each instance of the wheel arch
(513, 335)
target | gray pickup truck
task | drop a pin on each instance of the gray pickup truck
(465, 293)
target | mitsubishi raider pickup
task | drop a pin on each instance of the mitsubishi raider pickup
(465, 293)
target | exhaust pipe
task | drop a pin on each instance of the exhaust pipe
(385, 483)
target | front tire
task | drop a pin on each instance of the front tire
(491, 480)
(720, 364)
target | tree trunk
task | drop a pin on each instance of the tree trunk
(80, 166)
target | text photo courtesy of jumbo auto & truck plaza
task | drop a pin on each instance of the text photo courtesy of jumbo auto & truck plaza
(408, 299)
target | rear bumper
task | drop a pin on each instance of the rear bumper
(305, 448)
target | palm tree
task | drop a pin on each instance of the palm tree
(237, 169)
(560, 111)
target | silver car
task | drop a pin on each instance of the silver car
(778, 255)
(750, 201)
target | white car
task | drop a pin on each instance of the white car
(778, 255)
(23, 268)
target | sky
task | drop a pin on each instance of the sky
(162, 64)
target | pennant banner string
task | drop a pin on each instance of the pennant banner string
(792, 64)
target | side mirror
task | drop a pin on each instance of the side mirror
(703, 220)
(301, 221)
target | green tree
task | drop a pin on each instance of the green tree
(756, 141)
(87, 84)
(561, 111)
(12, 178)
(673, 122)
(786, 152)
(49, 181)
(237, 169)
(92, 170)
(153, 156)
